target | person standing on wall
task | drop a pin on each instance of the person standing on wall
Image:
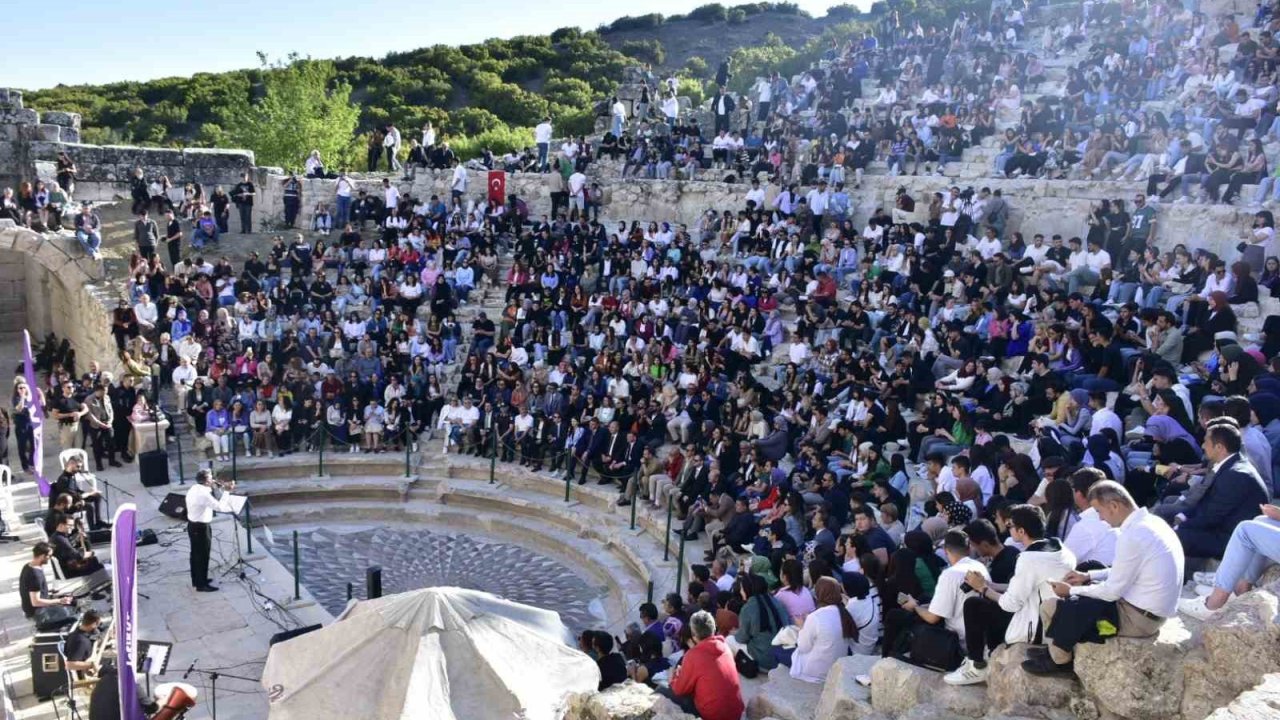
(173, 237)
(391, 145)
(542, 138)
(201, 505)
(242, 194)
(292, 199)
(146, 234)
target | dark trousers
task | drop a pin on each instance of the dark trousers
(175, 251)
(246, 218)
(985, 624)
(147, 251)
(722, 123)
(102, 445)
(896, 621)
(291, 205)
(201, 536)
(26, 445)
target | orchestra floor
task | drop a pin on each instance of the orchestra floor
(226, 631)
(415, 557)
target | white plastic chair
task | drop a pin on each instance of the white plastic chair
(6, 496)
(78, 453)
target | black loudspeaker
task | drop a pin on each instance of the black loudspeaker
(291, 634)
(373, 582)
(153, 467)
(175, 506)
(48, 676)
(147, 537)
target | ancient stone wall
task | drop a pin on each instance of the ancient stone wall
(1037, 206)
(30, 142)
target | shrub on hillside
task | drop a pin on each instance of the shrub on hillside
(709, 13)
(696, 67)
(650, 51)
(638, 22)
(737, 16)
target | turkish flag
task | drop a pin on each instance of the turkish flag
(497, 187)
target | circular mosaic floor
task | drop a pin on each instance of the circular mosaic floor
(417, 558)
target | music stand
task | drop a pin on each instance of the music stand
(240, 564)
(213, 676)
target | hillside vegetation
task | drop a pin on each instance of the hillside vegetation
(482, 95)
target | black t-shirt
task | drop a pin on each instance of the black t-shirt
(30, 580)
(1003, 565)
(242, 194)
(173, 231)
(613, 670)
(79, 646)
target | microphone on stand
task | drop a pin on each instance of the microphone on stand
(193, 667)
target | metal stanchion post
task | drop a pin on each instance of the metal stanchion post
(649, 593)
(235, 439)
(350, 592)
(634, 501)
(297, 578)
(182, 473)
(493, 462)
(666, 539)
(407, 448)
(568, 482)
(248, 527)
(324, 435)
(680, 565)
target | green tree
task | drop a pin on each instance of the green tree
(302, 108)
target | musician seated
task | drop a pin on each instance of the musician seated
(74, 481)
(32, 584)
(76, 560)
(78, 647)
(64, 505)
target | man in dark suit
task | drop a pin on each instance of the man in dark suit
(611, 456)
(625, 464)
(1235, 496)
(723, 107)
(586, 450)
(695, 484)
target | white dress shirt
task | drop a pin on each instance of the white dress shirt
(1091, 538)
(1148, 569)
(201, 504)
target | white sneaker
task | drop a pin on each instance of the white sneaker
(1204, 578)
(863, 680)
(1195, 607)
(967, 674)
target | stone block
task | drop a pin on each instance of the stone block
(65, 119)
(70, 135)
(784, 697)
(1260, 703)
(1137, 678)
(627, 701)
(48, 133)
(897, 687)
(11, 98)
(18, 116)
(843, 698)
(1010, 690)
(1240, 645)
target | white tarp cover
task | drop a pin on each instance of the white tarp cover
(432, 654)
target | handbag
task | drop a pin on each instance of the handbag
(746, 665)
(936, 648)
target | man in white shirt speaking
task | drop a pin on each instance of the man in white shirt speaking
(1131, 599)
(201, 504)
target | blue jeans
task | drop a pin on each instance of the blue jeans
(1122, 292)
(344, 210)
(1254, 545)
(90, 241)
(542, 156)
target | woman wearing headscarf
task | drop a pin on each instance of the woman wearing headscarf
(760, 619)
(1266, 411)
(954, 510)
(1100, 453)
(825, 634)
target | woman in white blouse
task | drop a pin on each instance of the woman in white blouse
(825, 634)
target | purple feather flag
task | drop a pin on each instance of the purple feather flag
(37, 414)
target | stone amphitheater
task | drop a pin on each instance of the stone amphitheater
(585, 557)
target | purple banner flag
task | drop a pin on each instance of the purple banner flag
(124, 562)
(37, 414)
